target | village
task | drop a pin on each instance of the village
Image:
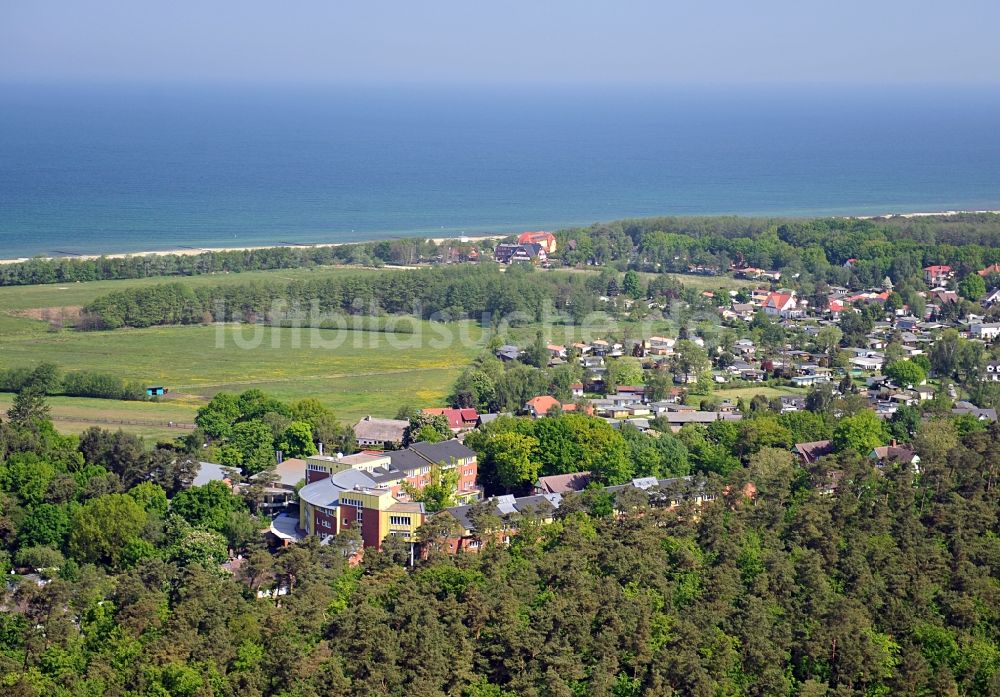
(373, 492)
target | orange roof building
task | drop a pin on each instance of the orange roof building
(546, 240)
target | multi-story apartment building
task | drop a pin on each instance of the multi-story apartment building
(366, 491)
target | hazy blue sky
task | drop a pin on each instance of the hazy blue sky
(570, 41)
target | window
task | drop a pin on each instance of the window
(358, 516)
(399, 520)
(351, 502)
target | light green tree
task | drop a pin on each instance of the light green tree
(861, 432)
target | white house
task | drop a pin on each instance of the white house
(986, 332)
(781, 305)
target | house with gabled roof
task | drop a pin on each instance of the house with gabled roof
(458, 419)
(938, 274)
(383, 434)
(781, 304)
(812, 451)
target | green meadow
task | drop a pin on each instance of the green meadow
(355, 372)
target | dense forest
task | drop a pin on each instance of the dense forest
(887, 585)
(440, 293)
(812, 254)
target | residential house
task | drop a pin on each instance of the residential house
(458, 419)
(938, 275)
(870, 364)
(993, 371)
(508, 352)
(563, 483)
(791, 403)
(782, 305)
(519, 253)
(677, 419)
(940, 296)
(744, 311)
(962, 408)
(985, 332)
(812, 451)
(540, 406)
(659, 346)
(893, 454)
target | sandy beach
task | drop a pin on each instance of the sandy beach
(195, 251)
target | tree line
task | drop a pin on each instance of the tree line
(48, 378)
(69, 270)
(520, 294)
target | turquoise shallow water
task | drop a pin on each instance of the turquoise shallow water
(108, 169)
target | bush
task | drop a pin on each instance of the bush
(102, 386)
(40, 557)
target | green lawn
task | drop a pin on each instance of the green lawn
(712, 283)
(748, 393)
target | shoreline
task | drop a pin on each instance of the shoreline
(196, 251)
(462, 239)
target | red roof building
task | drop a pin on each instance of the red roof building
(546, 240)
(937, 274)
(458, 419)
(780, 304)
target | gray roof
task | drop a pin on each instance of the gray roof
(406, 460)
(326, 492)
(508, 505)
(444, 451)
(383, 430)
(981, 414)
(209, 472)
(699, 417)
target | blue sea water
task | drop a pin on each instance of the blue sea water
(93, 169)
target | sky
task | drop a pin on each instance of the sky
(882, 42)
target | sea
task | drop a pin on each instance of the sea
(90, 169)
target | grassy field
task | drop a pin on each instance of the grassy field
(149, 419)
(355, 372)
(748, 393)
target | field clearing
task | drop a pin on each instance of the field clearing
(748, 393)
(353, 372)
(148, 419)
(700, 282)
